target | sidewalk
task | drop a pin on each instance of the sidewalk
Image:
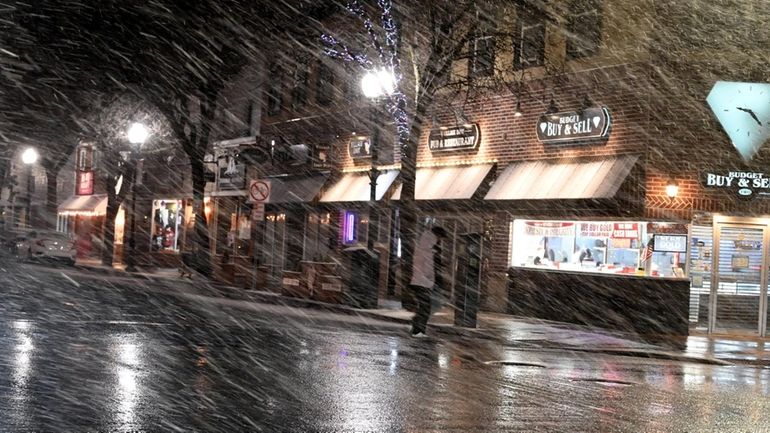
(520, 332)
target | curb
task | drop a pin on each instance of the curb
(235, 293)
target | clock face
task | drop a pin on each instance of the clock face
(743, 110)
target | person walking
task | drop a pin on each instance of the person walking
(424, 276)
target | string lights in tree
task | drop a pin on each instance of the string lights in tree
(385, 43)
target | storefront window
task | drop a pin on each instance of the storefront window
(354, 227)
(651, 249)
(317, 237)
(167, 221)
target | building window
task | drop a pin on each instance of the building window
(325, 85)
(299, 83)
(85, 158)
(166, 223)
(529, 40)
(482, 62)
(275, 89)
(584, 29)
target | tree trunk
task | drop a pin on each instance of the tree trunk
(201, 241)
(408, 207)
(51, 204)
(108, 232)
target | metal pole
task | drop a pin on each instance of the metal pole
(374, 173)
(28, 216)
(131, 258)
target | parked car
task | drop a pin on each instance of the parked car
(46, 245)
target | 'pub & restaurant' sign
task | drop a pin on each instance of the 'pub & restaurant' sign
(589, 124)
(461, 137)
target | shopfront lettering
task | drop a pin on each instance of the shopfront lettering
(589, 124)
(465, 137)
(746, 184)
(360, 148)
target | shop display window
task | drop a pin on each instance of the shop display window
(601, 246)
(167, 220)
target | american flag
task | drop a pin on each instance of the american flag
(647, 253)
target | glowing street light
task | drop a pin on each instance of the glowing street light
(380, 83)
(137, 133)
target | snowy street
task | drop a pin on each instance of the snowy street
(109, 357)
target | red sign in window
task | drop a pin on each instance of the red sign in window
(625, 231)
(85, 183)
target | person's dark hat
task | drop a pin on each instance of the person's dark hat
(439, 231)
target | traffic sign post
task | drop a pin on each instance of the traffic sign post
(259, 191)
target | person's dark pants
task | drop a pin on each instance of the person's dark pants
(420, 319)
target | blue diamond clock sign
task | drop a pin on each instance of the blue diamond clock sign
(743, 110)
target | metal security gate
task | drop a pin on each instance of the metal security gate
(738, 298)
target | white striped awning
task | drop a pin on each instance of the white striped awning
(447, 183)
(355, 187)
(550, 180)
(87, 205)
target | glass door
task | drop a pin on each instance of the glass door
(738, 296)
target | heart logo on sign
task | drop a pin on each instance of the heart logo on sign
(596, 120)
(543, 125)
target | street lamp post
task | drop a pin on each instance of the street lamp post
(137, 134)
(377, 86)
(29, 158)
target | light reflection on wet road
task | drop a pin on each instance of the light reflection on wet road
(103, 357)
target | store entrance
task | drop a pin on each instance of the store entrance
(738, 303)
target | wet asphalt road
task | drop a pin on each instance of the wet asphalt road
(82, 353)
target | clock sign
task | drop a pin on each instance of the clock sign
(743, 110)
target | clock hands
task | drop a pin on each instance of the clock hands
(751, 113)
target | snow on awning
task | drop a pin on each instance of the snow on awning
(551, 180)
(447, 183)
(295, 190)
(86, 205)
(355, 187)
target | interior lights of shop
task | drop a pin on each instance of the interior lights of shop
(326, 219)
(282, 217)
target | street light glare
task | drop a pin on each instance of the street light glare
(137, 133)
(377, 84)
(29, 156)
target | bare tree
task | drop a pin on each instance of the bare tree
(106, 127)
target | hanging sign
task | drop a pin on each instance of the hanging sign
(232, 176)
(625, 231)
(745, 184)
(360, 148)
(464, 137)
(258, 212)
(569, 126)
(595, 230)
(548, 228)
(85, 183)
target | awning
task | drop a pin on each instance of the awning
(447, 183)
(295, 189)
(355, 187)
(550, 180)
(87, 205)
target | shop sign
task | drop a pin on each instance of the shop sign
(747, 245)
(548, 228)
(232, 176)
(85, 183)
(589, 124)
(625, 231)
(595, 230)
(745, 184)
(465, 137)
(670, 243)
(360, 148)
